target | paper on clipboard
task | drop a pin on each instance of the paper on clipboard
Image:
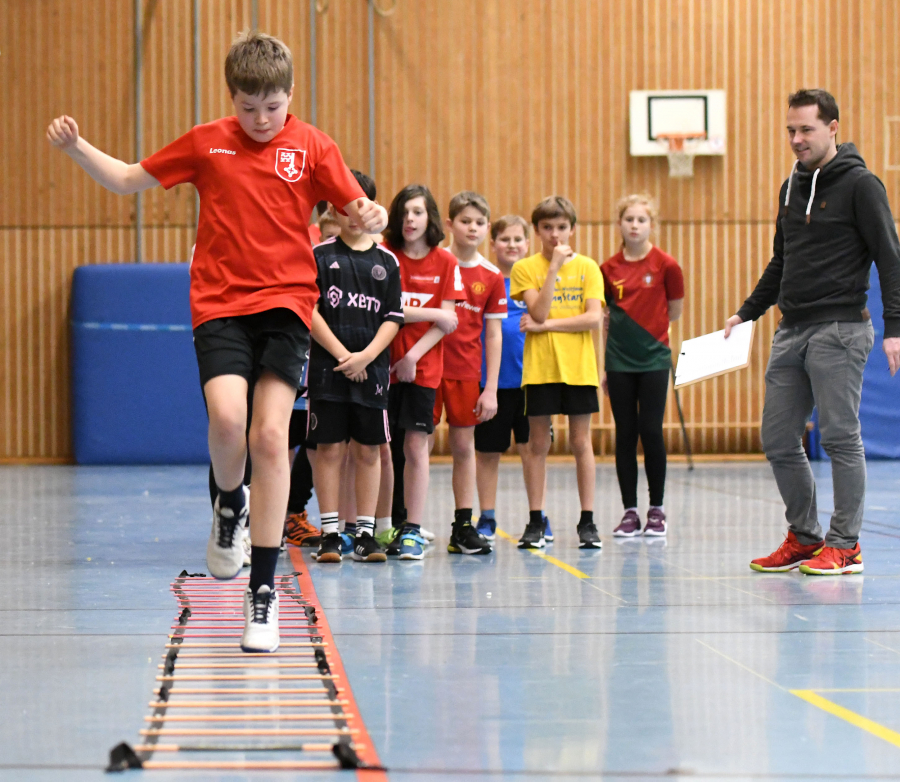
(710, 355)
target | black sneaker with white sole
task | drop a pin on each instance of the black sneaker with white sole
(366, 549)
(260, 620)
(588, 536)
(330, 548)
(533, 537)
(464, 539)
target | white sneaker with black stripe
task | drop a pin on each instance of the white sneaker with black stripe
(260, 620)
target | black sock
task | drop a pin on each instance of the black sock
(536, 517)
(462, 516)
(587, 517)
(233, 500)
(408, 525)
(398, 518)
(263, 562)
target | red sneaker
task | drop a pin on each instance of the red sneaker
(788, 556)
(834, 562)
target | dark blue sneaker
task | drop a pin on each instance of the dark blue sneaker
(548, 533)
(487, 528)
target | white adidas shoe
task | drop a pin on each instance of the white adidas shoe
(260, 620)
(225, 549)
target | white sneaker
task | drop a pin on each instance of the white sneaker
(260, 620)
(225, 549)
(427, 534)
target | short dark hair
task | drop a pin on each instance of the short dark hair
(468, 198)
(366, 183)
(828, 108)
(393, 234)
(258, 64)
(553, 207)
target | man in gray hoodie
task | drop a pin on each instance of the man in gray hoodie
(833, 221)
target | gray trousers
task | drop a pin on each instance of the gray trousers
(822, 365)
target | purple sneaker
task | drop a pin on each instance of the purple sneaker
(629, 527)
(656, 524)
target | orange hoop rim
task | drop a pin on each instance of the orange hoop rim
(675, 141)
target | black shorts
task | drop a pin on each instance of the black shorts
(297, 428)
(493, 436)
(246, 345)
(411, 407)
(338, 422)
(561, 399)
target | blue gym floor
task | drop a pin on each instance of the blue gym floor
(644, 661)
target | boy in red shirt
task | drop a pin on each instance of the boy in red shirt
(460, 389)
(253, 288)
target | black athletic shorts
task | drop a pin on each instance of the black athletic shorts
(411, 407)
(493, 436)
(561, 399)
(297, 429)
(338, 422)
(246, 345)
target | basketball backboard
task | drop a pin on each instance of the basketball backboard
(655, 114)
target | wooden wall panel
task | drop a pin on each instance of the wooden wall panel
(515, 98)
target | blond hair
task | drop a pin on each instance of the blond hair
(638, 199)
(507, 221)
(258, 64)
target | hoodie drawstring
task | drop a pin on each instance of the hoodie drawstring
(812, 194)
(787, 195)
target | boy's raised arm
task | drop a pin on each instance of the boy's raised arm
(115, 175)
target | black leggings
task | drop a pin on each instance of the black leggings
(638, 401)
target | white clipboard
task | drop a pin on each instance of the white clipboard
(712, 355)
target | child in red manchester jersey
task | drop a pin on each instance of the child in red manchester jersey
(253, 288)
(431, 287)
(644, 292)
(460, 390)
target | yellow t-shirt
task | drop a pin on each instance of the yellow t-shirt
(558, 356)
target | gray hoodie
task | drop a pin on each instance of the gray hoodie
(833, 222)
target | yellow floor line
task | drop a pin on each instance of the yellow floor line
(870, 726)
(814, 699)
(562, 565)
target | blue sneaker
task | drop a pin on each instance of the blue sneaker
(347, 543)
(548, 533)
(412, 544)
(487, 528)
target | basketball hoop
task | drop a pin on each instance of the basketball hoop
(679, 148)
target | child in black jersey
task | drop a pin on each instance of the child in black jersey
(358, 314)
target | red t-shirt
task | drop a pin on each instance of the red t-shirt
(644, 288)
(426, 282)
(253, 250)
(485, 298)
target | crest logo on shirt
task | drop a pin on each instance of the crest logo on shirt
(335, 295)
(379, 272)
(290, 163)
(478, 287)
(648, 279)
